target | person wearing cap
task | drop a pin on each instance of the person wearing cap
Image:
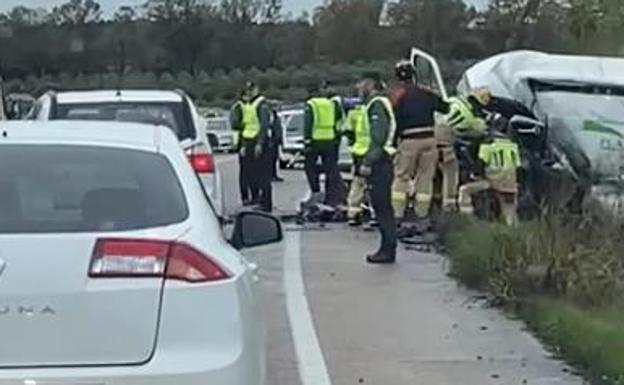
(417, 156)
(251, 118)
(321, 140)
(378, 132)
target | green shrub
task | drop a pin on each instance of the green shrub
(591, 339)
(576, 258)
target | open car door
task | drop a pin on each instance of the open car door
(428, 71)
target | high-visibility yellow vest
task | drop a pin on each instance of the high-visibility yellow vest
(356, 121)
(389, 145)
(461, 117)
(324, 113)
(251, 120)
(363, 140)
(502, 159)
(501, 154)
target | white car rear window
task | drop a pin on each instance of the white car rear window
(172, 115)
(84, 189)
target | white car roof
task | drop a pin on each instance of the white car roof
(112, 96)
(116, 134)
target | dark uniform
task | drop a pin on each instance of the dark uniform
(381, 125)
(321, 140)
(252, 120)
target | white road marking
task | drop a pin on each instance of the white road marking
(312, 368)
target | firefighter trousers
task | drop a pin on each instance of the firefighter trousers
(357, 192)
(507, 201)
(416, 160)
(449, 168)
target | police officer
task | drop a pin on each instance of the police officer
(378, 130)
(251, 117)
(321, 139)
(417, 155)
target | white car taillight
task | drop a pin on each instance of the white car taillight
(131, 258)
(201, 159)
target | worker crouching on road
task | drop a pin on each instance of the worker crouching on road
(321, 139)
(417, 155)
(379, 127)
(251, 117)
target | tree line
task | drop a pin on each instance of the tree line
(210, 47)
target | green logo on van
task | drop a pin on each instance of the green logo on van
(595, 127)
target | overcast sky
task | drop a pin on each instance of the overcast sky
(109, 6)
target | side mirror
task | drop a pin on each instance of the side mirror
(252, 229)
(524, 125)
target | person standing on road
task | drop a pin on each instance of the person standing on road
(417, 155)
(379, 126)
(359, 140)
(251, 117)
(321, 141)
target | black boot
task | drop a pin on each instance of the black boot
(356, 221)
(381, 258)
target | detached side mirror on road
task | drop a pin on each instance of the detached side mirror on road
(252, 229)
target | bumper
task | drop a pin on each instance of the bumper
(178, 369)
(224, 146)
(228, 350)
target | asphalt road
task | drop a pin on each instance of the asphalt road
(332, 319)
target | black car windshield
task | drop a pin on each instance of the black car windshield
(170, 114)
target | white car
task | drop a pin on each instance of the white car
(220, 134)
(291, 151)
(113, 267)
(170, 108)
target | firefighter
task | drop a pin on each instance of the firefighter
(355, 131)
(321, 140)
(377, 139)
(417, 155)
(500, 159)
(251, 118)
